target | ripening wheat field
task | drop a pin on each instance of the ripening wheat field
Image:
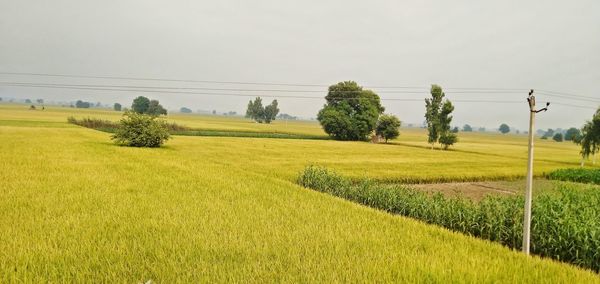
(76, 208)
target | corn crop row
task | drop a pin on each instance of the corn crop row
(565, 225)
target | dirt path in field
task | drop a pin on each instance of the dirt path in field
(473, 190)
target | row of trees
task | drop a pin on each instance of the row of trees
(261, 113)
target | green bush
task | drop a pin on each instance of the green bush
(565, 225)
(141, 130)
(577, 175)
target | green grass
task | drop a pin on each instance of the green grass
(576, 175)
(76, 208)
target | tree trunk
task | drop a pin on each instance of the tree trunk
(582, 162)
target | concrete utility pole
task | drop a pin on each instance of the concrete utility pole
(527, 215)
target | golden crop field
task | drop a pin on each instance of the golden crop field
(77, 208)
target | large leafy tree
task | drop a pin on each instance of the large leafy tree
(438, 118)
(350, 113)
(388, 127)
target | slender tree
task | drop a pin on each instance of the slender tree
(438, 118)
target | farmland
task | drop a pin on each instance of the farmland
(76, 207)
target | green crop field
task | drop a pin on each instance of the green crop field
(77, 208)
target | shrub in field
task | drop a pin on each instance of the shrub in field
(141, 130)
(565, 225)
(577, 175)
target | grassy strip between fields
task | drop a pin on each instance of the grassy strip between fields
(565, 224)
(177, 129)
(577, 175)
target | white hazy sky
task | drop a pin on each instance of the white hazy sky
(551, 45)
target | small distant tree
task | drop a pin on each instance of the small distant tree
(504, 128)
(27, 101)
(388, 127)
(558, 137)
(481, 129)
(82, 104)
(270, 112)
(214, 112)
(40, 101)
(140, 104)
(455, 129)
(185, 110)
(117, 107)
(549, 133)
(141, 130)
(98, 104)
(572, 134)
(467, 128)
(156, 109)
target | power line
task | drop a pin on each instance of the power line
(237, 82)
(240, 95)
(160, 89)
(404, 89)
(235, 89)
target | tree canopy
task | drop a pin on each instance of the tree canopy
(117, 107)
(185, 110)
(350, 113)
(467, 128)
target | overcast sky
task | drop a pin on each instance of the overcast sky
(549, 45)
